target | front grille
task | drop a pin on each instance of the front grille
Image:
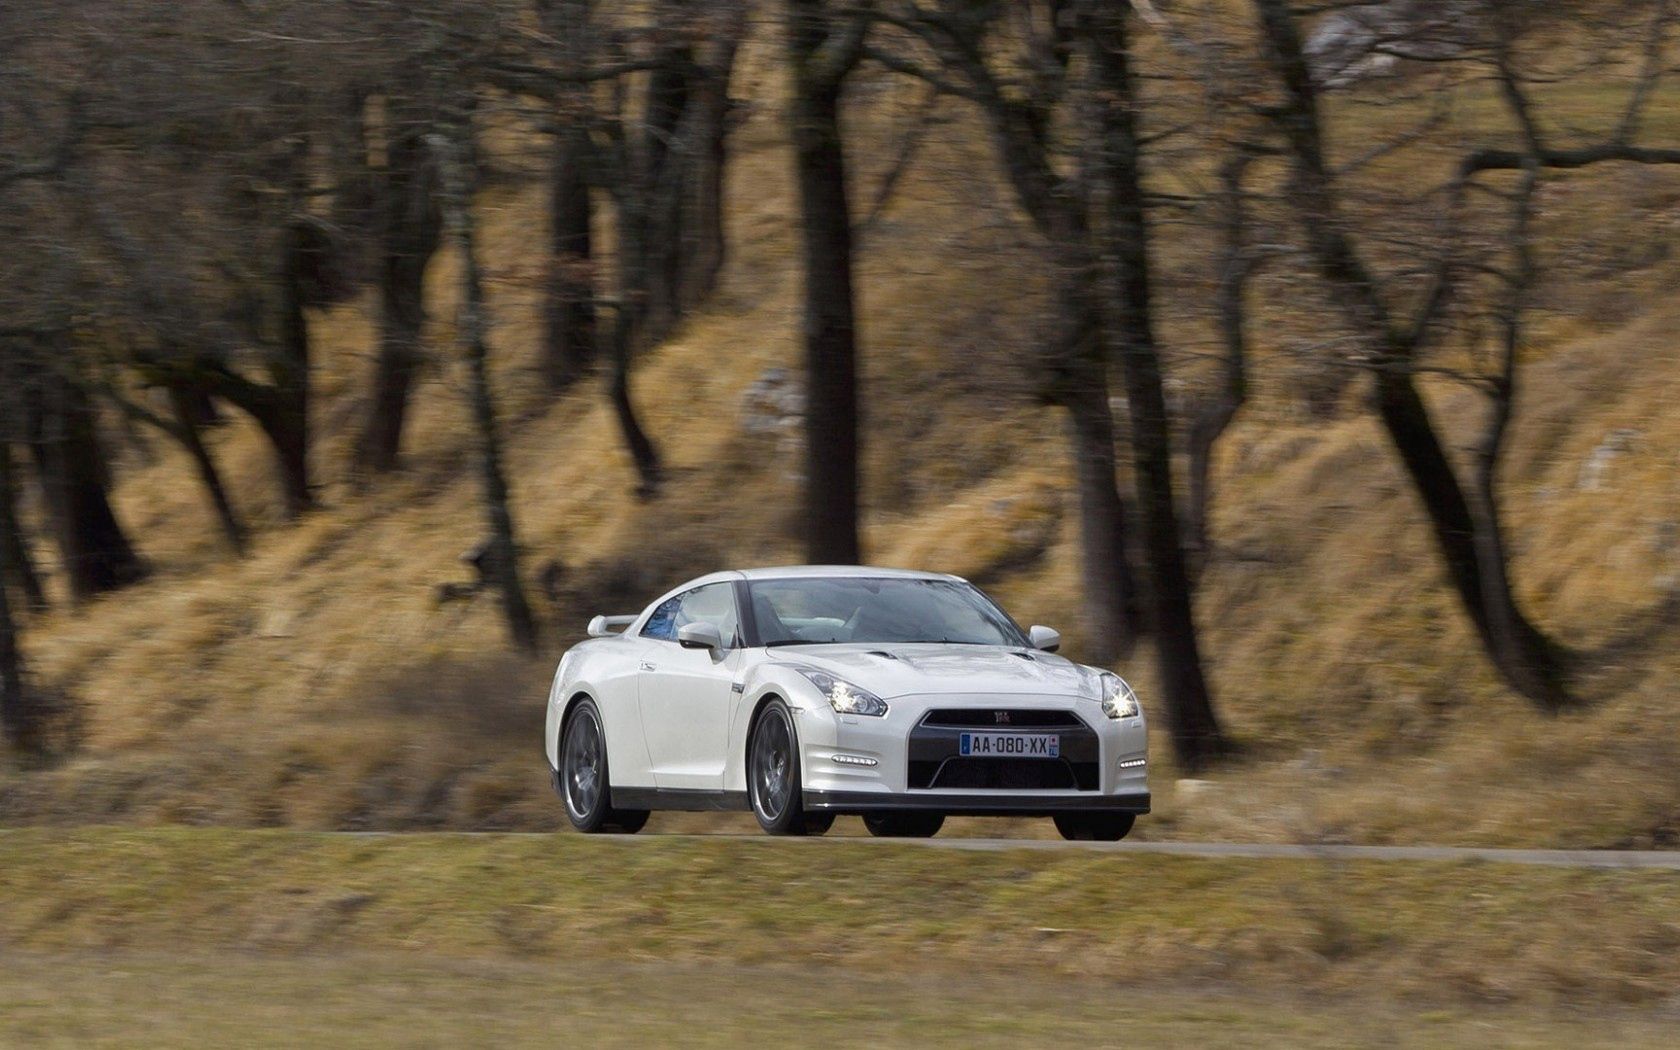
(988, 717)
(935, 758)
(1017, 774)
(1009, 774)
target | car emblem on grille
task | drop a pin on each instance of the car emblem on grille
(1002, 717)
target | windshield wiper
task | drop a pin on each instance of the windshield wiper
(800, 641)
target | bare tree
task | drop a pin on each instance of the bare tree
(75, 479)
(502, 560)
(1215, 413)
(185, 423)
(16, 719)
(654, 143)
(1465, 518)
(1122, 235)
(408, 226)
(722, 28)
(20, 565)
(570, 336)
(822, 48)
(1020, 91)
(19, 724)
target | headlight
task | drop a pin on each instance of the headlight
(843, 696)
(1118, 699)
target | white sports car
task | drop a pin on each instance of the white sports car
(803, 693)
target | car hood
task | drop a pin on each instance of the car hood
(890, 670)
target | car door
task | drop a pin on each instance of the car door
(687, 694)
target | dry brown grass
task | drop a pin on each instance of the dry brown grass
(283, 689)
(1408, 934)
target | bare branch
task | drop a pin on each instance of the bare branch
(1649, 74)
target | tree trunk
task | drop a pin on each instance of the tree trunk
(502, 563)
(1108, 590)
(703, 250)
(831, 400)
(286, 419)
(627, 338)
(667, 150)
(1075, 363)
(97, 556)
(186, 402)
(1078, 371)
(1218, 411)
(571, 337)
(409, 226)
(1194, 728)
(20, 565)
(1476, 561)
(704, 247)
(17, 719)
(1525, 655)
(570, 334)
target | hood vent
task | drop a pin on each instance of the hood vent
(883, 654)
(1028, 657)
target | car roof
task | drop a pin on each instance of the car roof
(798, 572)
(787, 572)
(803, 572)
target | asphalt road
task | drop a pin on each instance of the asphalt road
(1666, 860)
(1603, 860)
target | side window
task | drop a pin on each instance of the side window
(663, 622)
(713, 603)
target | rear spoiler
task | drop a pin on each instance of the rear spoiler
(603, 626)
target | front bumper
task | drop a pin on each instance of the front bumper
(853, 764)
(990, 804)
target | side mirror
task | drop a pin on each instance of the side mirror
(699, 636)
(1045, 638)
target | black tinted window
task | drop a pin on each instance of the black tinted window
(663, 622)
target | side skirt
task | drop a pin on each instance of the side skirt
(691, 799)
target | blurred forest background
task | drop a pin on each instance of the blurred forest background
(1313, 366)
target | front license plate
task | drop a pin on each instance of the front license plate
(1010, 745)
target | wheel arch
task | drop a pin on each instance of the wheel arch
(767, 698)
(567, 710)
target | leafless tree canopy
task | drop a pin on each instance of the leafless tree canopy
(1350, 202)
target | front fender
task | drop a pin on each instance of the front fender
(813, 717)
(557, 695)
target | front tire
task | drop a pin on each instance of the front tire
(904, 825)
(773, 776)
(584, 783)
(1094, 827)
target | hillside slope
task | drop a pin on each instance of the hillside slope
(319, 683)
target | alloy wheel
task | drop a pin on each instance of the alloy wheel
(583, 765)
(772, 767)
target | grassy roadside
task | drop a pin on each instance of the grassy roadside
(225, 1000)
(1438, 934)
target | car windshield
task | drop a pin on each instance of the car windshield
(817, 610)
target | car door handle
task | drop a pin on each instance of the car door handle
(649, 667)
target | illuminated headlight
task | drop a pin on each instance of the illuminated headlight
(1134, 763)
(843, 696)
(1118, 699)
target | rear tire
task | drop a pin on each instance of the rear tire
(584, 784)
(1094, 827)
(773, 776)
(904, 825)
